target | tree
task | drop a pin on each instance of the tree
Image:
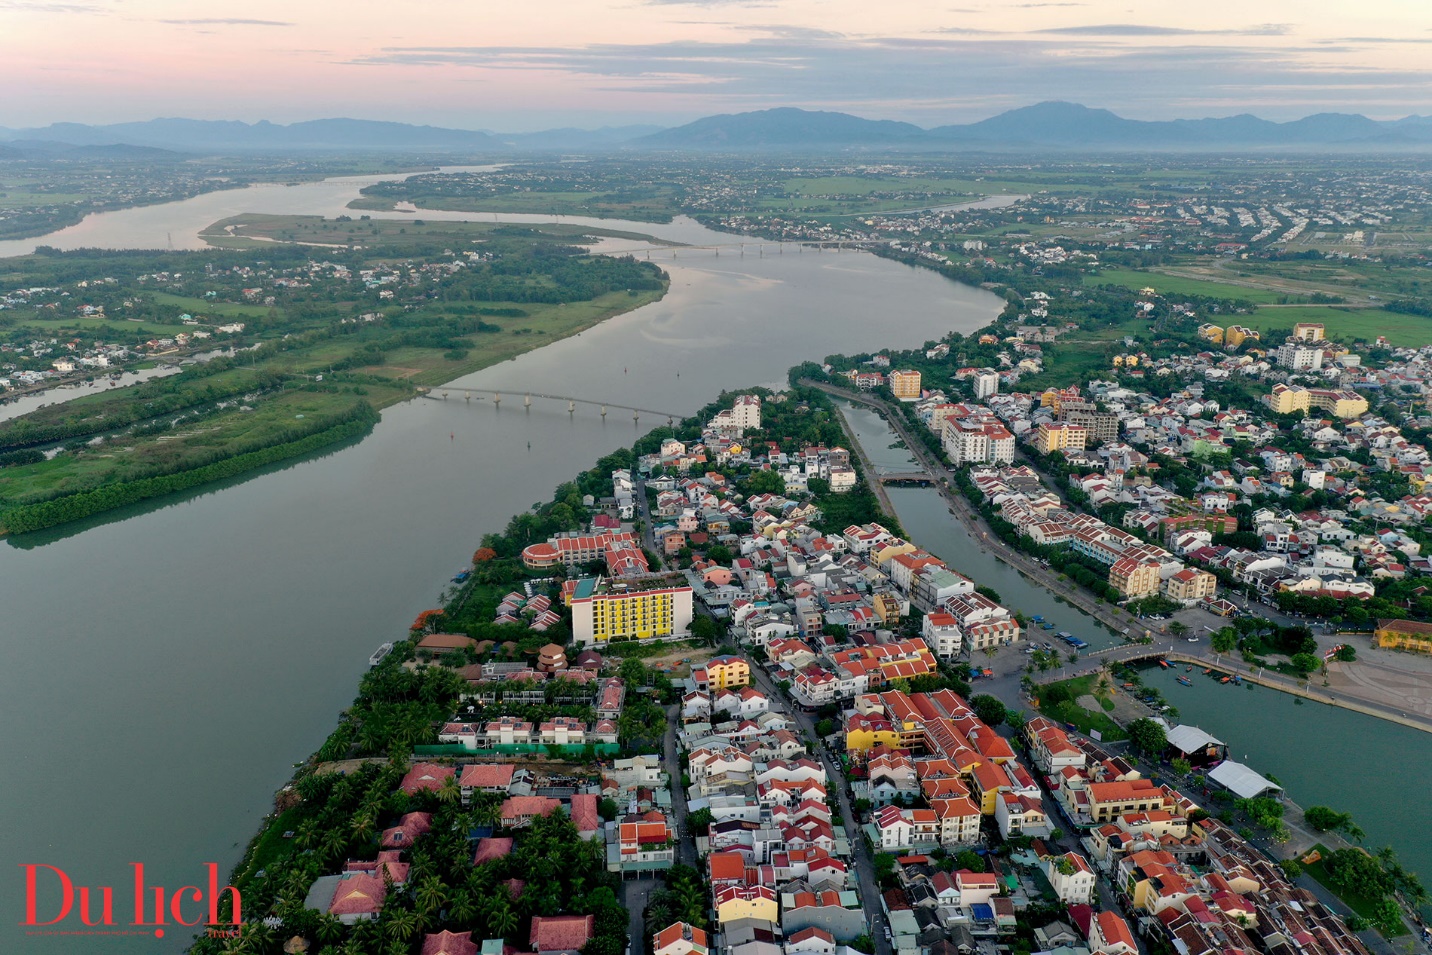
(1182, 766)
(1346, 653)
(1224, 640)
(969, 859)
(1324, 819)
(705, 629)
(1292, 868)
(989, 709)
(699, 821)
(1147, 736)
(1178, 628)
(1305, 663)
(608, 809)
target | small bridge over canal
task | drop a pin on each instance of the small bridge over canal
(469, 395)
(908, 477)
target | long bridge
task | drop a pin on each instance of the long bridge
(442, 392)
(647, 250)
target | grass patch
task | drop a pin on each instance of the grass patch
(1347, 324)
(1085, 721)
(1176, 285)
(1360, 904)
(269, 844)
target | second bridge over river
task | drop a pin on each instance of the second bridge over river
(469, 395)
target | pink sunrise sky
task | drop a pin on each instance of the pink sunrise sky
(522, 66)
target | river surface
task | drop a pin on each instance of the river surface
(163, 667)
(1322, 755)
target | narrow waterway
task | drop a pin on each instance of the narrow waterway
(1322, 755)
(163, 667)
(928, 519)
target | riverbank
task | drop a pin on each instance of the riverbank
(310, 370)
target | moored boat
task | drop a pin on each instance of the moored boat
(379, 654)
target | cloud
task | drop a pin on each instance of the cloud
(43, 6)
(1383, 39)
(1139, 29)
(227, 22)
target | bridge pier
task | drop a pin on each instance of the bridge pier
(467, 397)
(444, 396)
(604, 412)
(571, 407)
(497, 399)
(527, 403)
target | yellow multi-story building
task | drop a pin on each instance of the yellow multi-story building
(864, 732)
(1190, 585)
(1307, 332)
(1132, 577)
(633, 608)
(1341, 404)
(905, 384)
(725, 672)
(1213, 333)
(1237, 334)
(1059, 435)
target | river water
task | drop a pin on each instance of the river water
(1321, 754)
(163, 667)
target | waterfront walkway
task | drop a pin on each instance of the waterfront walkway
(1365, 696)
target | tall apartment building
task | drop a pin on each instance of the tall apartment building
(905, 385)
(1299, 357)
(1307, 332)
(1060, 436)
(977, 441)
(644, 608)
(986, 383)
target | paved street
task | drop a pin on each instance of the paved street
(862, 861)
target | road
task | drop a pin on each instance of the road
(863, 861)
(685, 847)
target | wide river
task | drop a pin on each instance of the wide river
(164, 667)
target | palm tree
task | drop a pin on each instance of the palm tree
(402, 924)
(501, 918)
(462, 908)
(335, 840)
(429, 896)
(450, 792)
(362, 825)
(329, 929)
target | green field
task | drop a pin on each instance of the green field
(1347, 324)
(200, 307)
(1180, 285)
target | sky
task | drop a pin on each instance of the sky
(518, 66)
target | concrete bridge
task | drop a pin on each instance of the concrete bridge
(907, 477)
(443, 392)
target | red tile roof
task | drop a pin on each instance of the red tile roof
(449, 943)
(561, 933)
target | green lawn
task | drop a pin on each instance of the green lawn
(1074, 714)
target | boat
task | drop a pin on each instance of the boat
(1048, 626)
(1164, 664)
(1064, 634)
(1188, 669)
(1037, 618)
(459, 578)
(1224, 680)
(1185, 681)
(379, 654)
(1207, 671)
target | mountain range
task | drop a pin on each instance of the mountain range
(1052, 125)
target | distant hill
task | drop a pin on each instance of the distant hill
(38, 149)
(785, 126)
(1051, 125)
